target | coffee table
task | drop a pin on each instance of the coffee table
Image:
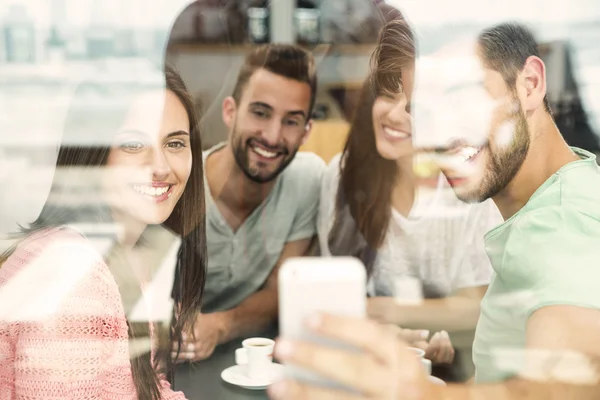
(202, 380)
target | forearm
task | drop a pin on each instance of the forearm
(259, 311)
(253, 315)
(455, 313)
(518, 389)
(167, 393)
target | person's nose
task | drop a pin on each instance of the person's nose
(272, 132)
(437, 126)
(399, 114)
(159, 164)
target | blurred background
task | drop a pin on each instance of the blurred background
(48, 47)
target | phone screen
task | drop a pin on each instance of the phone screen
(335, 285)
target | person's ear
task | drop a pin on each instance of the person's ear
(531, 84)
(229, 110)
(307, 129)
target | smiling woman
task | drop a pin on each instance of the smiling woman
(374, 206)
(134, 161)
(151, 160)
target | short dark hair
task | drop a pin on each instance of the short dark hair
(505, 49)
(286, 60)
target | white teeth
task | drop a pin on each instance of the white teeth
(468, 152)
(150, 190)
(394, 133)
(264, 153)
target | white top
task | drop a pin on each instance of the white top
(441, 241)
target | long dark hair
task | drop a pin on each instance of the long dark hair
(84, 151)
(366, 178)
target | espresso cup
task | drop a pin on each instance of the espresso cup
(419, 353)
(259, 353)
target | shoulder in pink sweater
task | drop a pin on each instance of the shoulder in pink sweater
(63, 330)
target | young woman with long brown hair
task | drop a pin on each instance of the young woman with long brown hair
(132, 161)
(374, 207)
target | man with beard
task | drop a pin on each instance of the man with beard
(546, 287)
(537, 336)
(261, 198)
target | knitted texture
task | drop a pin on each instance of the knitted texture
(63, 330)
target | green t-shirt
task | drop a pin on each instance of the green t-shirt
(546, 254)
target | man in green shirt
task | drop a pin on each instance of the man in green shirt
(539, 329)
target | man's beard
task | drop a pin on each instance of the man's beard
(503, 164)
(240, 153)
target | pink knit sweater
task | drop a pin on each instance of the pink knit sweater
(63, 331)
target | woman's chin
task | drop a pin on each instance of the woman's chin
(146, 216)
(393, 154)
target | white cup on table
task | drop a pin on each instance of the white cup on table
(259, 357)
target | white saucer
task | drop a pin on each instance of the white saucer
(236, 375)
(436, 381)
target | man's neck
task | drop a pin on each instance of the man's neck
(229, 185)
(548, 152)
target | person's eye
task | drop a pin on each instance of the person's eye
(260, 114)
(132, 146)
(391, 96)
(176, 144)
(292, 122)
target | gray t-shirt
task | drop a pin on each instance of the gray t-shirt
(240, 262)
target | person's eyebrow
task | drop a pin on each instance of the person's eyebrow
(261, 104)
(132, 132)
(141, 133)
(464, 85)
(178, 133)
(302, 113)
(297, 112)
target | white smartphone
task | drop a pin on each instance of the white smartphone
(335, 285)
